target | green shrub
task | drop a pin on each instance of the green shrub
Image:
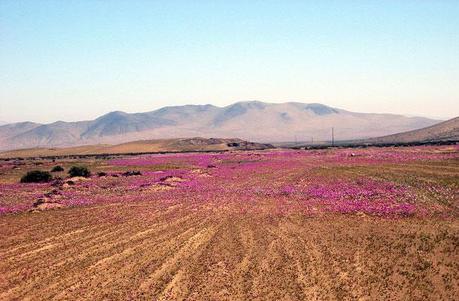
(57, 168)
(79, 171)
(36, 176)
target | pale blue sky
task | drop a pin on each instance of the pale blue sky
(73, 60)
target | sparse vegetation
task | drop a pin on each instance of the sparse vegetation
(79, 171)
(57, 168)
(36, 176)
(364, 223)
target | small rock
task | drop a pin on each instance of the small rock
(131, 173)
(57, 183)
(45, 204)
(77, 179)
(52, 193)
(38, 202)
(171, 179)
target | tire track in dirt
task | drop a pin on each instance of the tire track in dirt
(95, 244)
(317, 270)
(146, 254)
(161, 278)
(275, 274)
(19, 250)
(192, 255)
(212, 270)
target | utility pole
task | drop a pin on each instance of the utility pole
(333, 136)
(296, 141)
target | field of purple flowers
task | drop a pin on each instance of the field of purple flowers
(304, 182)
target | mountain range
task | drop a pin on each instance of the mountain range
(249, 120)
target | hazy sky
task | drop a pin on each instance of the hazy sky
(73, 60)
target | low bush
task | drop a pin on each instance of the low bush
(57, 168)
(79, 171)
(36, 176)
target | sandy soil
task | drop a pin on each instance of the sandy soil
(138, 252)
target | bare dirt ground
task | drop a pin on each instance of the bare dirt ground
(121, 252)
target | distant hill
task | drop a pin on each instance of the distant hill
(444, 131)
(143, 146)
(251, 120)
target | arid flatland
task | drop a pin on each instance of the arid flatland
(360, 224)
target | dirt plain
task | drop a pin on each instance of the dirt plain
(199, 246)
